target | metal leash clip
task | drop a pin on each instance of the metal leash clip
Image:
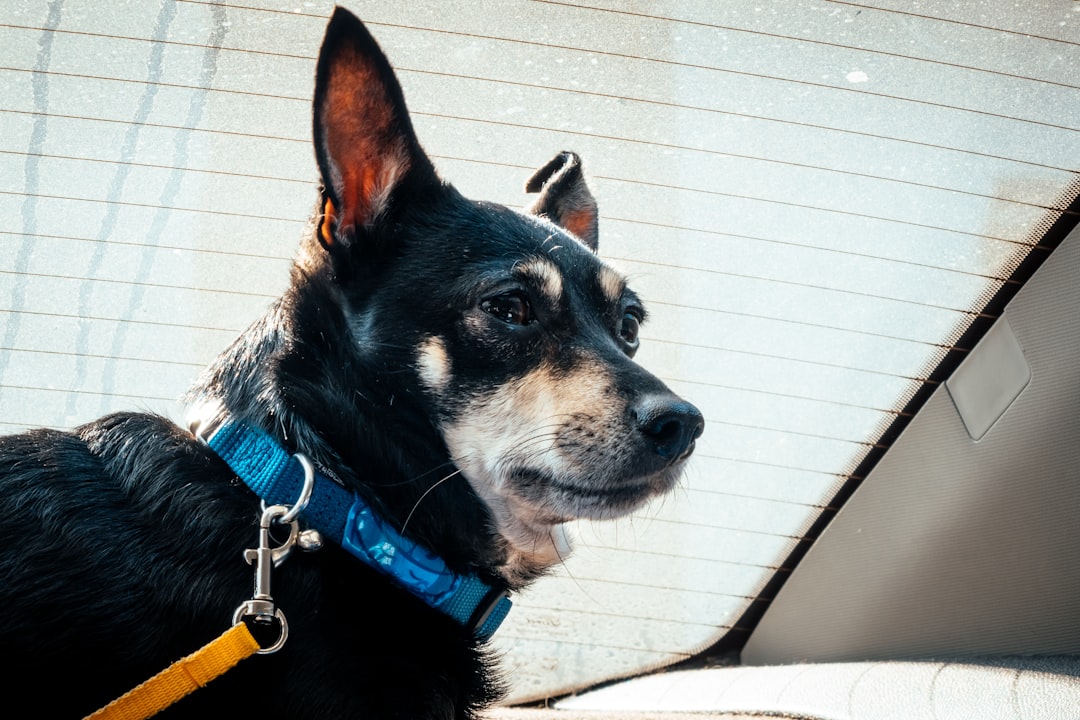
(260, 609)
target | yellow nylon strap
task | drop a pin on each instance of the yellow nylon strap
(182, 677)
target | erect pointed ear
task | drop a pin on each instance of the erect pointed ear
(565, 198)
(364, 140)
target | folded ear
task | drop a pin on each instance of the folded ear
(565, 198)
(364, 140)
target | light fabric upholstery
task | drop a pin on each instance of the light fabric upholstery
(991, 689)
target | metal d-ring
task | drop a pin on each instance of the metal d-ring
(307, 540)
(305, 491)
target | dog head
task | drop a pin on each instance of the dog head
(503, 330)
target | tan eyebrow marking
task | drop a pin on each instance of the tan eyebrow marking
(545, 274)
(612, 283)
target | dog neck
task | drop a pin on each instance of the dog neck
(531, 549)
(346, 518)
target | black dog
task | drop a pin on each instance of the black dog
(459, 374)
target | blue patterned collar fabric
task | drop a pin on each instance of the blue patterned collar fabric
(345, 518)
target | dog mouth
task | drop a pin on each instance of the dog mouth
(563, 499)
(614, 495)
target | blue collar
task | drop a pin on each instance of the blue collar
(344, 517)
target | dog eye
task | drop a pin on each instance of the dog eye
(511, 308)
(628, 330)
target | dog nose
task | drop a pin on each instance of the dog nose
(670, 424)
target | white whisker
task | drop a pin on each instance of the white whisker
(421, 499)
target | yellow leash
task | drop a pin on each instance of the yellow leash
(237, 643)
(182, 677)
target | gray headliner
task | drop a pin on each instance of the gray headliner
(953, 547)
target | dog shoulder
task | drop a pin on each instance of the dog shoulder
(138, 461)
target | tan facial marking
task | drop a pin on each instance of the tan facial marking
(433, 364)
(525, 424)
(612, 283)
(546, 275)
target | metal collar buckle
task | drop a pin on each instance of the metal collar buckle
(206, 421)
